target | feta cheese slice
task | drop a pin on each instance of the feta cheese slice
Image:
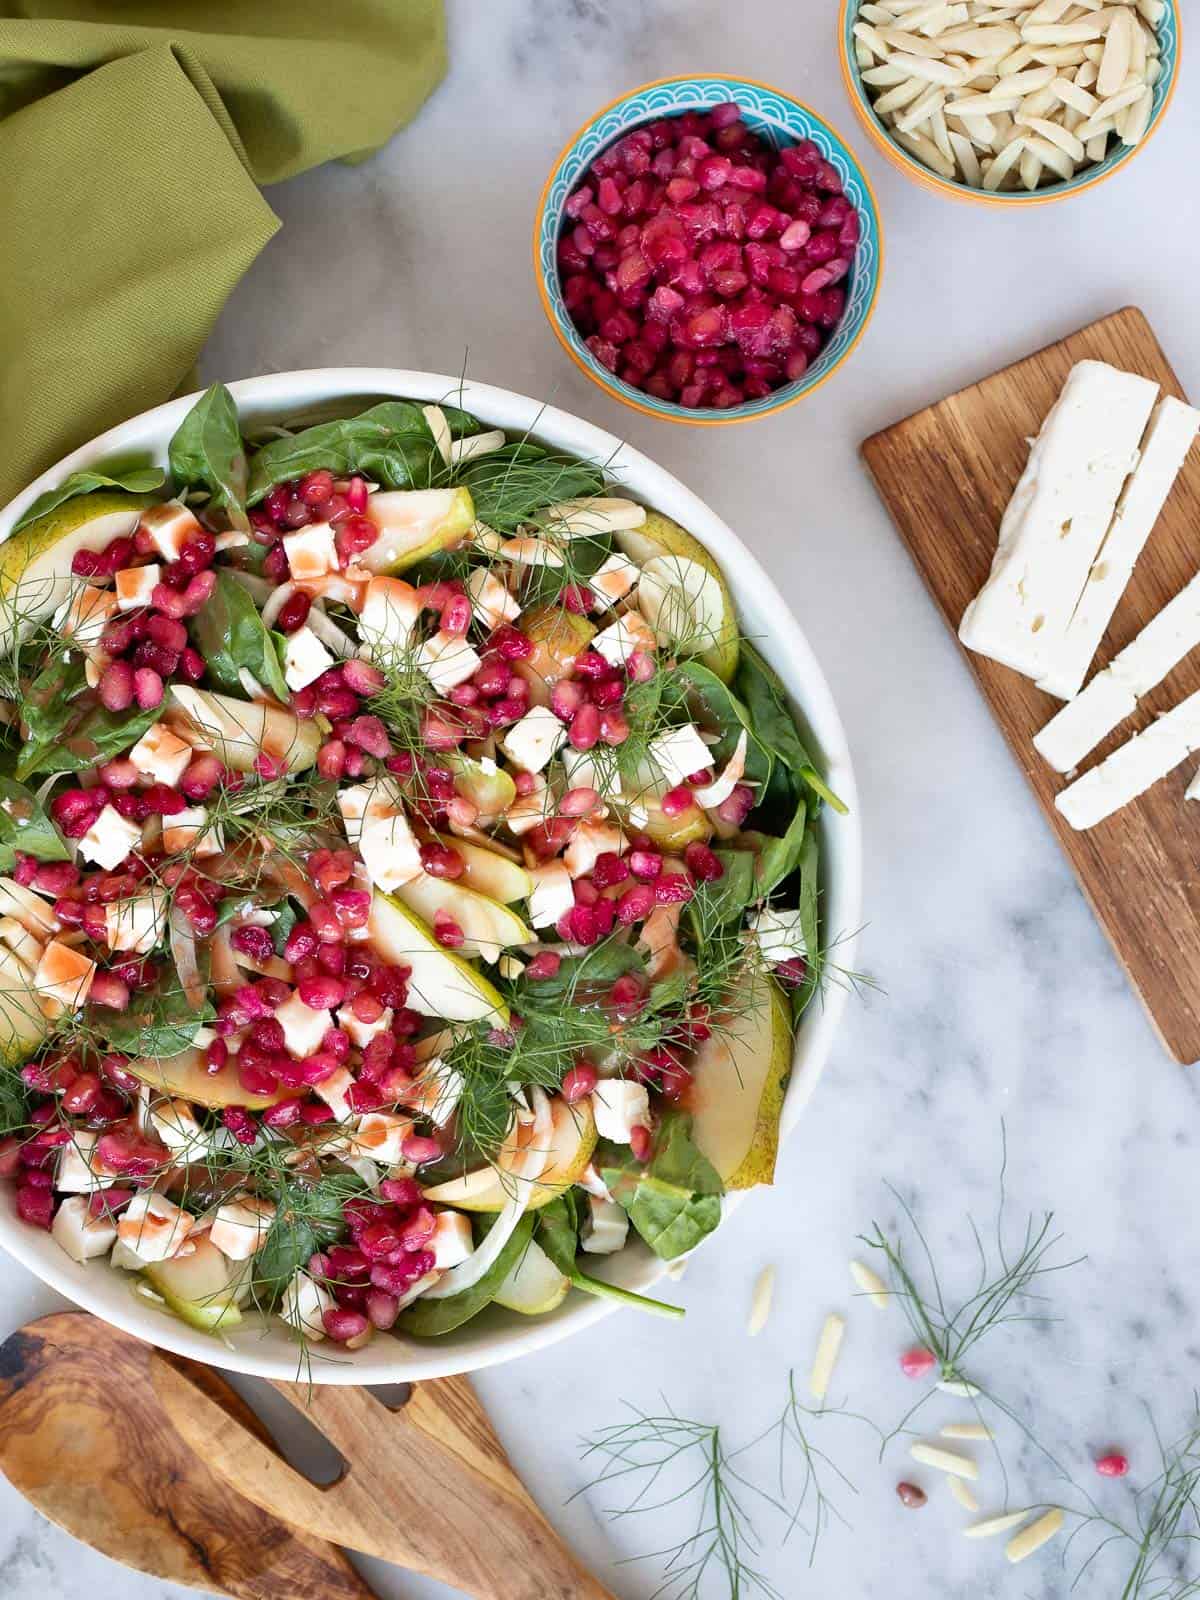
(311, 552)
(388, 617)
(1134, 767)
(172, 1123)
(490, 599)
(605, 1227)
(303, 1028)
(589, 841)
(62, 979)
(447, 660)
(452, 1242)
(136, 924)
(1173, 429)
(552, 895)
(333, 1090)
(389, 849)
(624, 638)
(1113, 694)
(153, 1227)
(240, 1227)
(534, 739)
(161, 755)
(362, 1033)
(85, 615)
(304, 1304)
(305, 658)
(381, 1136)
(82, 1236)
(679, 753)
(620, 1106)
(1058, 517)
(436, 1091)
(780, 934)
(110, 839)
(188, 830)
(170, 527)
(135, 585)
(614, 578)
(528, 810)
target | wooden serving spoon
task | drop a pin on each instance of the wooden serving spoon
(85, 1438)
(427, 1485)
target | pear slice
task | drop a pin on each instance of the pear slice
(488, 872)
(239, 731)
(558, 636)
(488, 927)
(185, 1077)
(572, 1141)
(659, 536)
(35, 564)
(415, 523)
(22, 1024)
(739, 1076)
(535, 1285)
(492, 792)
(441, 984)
(202, 1287)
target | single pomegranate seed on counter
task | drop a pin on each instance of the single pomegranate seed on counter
(1113, 1465)
(917, 1362)
(911, 1495)
(293, 613)
(115, 689)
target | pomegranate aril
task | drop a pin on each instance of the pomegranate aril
(918, 1362)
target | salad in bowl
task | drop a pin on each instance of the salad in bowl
(410, 880)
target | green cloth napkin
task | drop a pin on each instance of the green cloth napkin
(133, 139)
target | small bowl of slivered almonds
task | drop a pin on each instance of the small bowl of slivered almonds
(1030, 103)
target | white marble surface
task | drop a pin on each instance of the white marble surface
(1003, 1000)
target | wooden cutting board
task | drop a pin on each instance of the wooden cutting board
(946, 475)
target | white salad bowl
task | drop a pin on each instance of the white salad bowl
(263, 1347)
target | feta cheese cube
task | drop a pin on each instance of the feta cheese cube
(590, 1181)
(447, 660)
(172, 1123)
(490, 600)
(62, 979)
(605, 1227)
(79, 1170)
(304, 1304)
(333, 1090)
(135, 585)
(680, 753)
(305, 658)
(591, 839)
(375, 823)
(1133, 767)
(388, 617)
(625, 637)
(363, 1032)
(136, 924)
(552, 895)
(188, 830)
(240, 1227)
(170, 526)
(452, 1242)
(436, 1091)
(527, 810)
(161, 755)
(110, 839)
(532, 741)
(614, 578)
(381, 1136)
(780, 935)
(82, 1236)
(303, 1028)
(620, 1106)
(85, 615)
(311, 551)
(153, 1227)
(585, 770)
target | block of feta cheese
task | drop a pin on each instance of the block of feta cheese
(304, 1304)
(110, 839)
(614, 578)
(1173, 429)
(240, 1227)
(86, 614)
(436, 1091)
(381, 1136)
(624, 638)
(305, 658)
(161, 755)
(1134, 767)
(79, 1170)
(680, 753)
(311, 552)
(1113, 694)
(605, 1227)
(533, 740)
(620, 1106)
(153, 1227)
(584, 769)
(303, 1028)
(590, 840)
(388, 617)
(188, 830)
(333, 1090)
(490, 599)
(135, 585)
(1058, 517)
(447, 660)
(780, 934)
(362, 1033)
(528, 810)
(452, 1242)
(376, 825)
(170, 527)
(82, 1236)
(172, 1123)
(138, 923)
(62, 979)
(552, 895)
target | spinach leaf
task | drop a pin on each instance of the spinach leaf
(307, 1218)
(601, 965)
(514, 483)
(134, 480)
(774, 725)
(391, 443)
(207, 452)
(717, 706)
(69, 729)
(285, 920)
(674, 1200)
(557, 1231)
(726, 897)
(15, 1102)
(543, 585)
(779, 858)
(230, 633)
(159, 1022)
(809, 920)
(25, 826)
(428, 1319)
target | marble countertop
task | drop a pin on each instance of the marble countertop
(1003, 1003)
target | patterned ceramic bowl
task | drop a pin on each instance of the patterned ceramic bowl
(778, 119)
(1118, 157)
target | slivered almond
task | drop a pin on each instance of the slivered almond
(967, 1430)
(760, 1304)
(1003, 164)
(1062, 33)
(931, 71)
(1138, 118)
(828, 1346)
(926, 151)
(868, 1280)
(991, 1526)
(981, 41)
(964, 154)
(902, 95)
(931, 1455)
(1057, 135)
(962, 1493)
(1118, 50)
(958, 1386)
(1075, 97)
(905, 43)
(1021, 83)
(1034, 1536)
(982, 105)
(922, 109)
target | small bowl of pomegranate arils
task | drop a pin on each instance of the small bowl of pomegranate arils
(708, 249)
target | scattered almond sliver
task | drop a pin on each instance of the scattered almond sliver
(1034, 1536)
(760, 1305)
(967, 1430)
(962, 1493)
(965, 1391)
(828, 1346)
(947, 89)
(931, 1455)
(991, 1526)
(871, 1284)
